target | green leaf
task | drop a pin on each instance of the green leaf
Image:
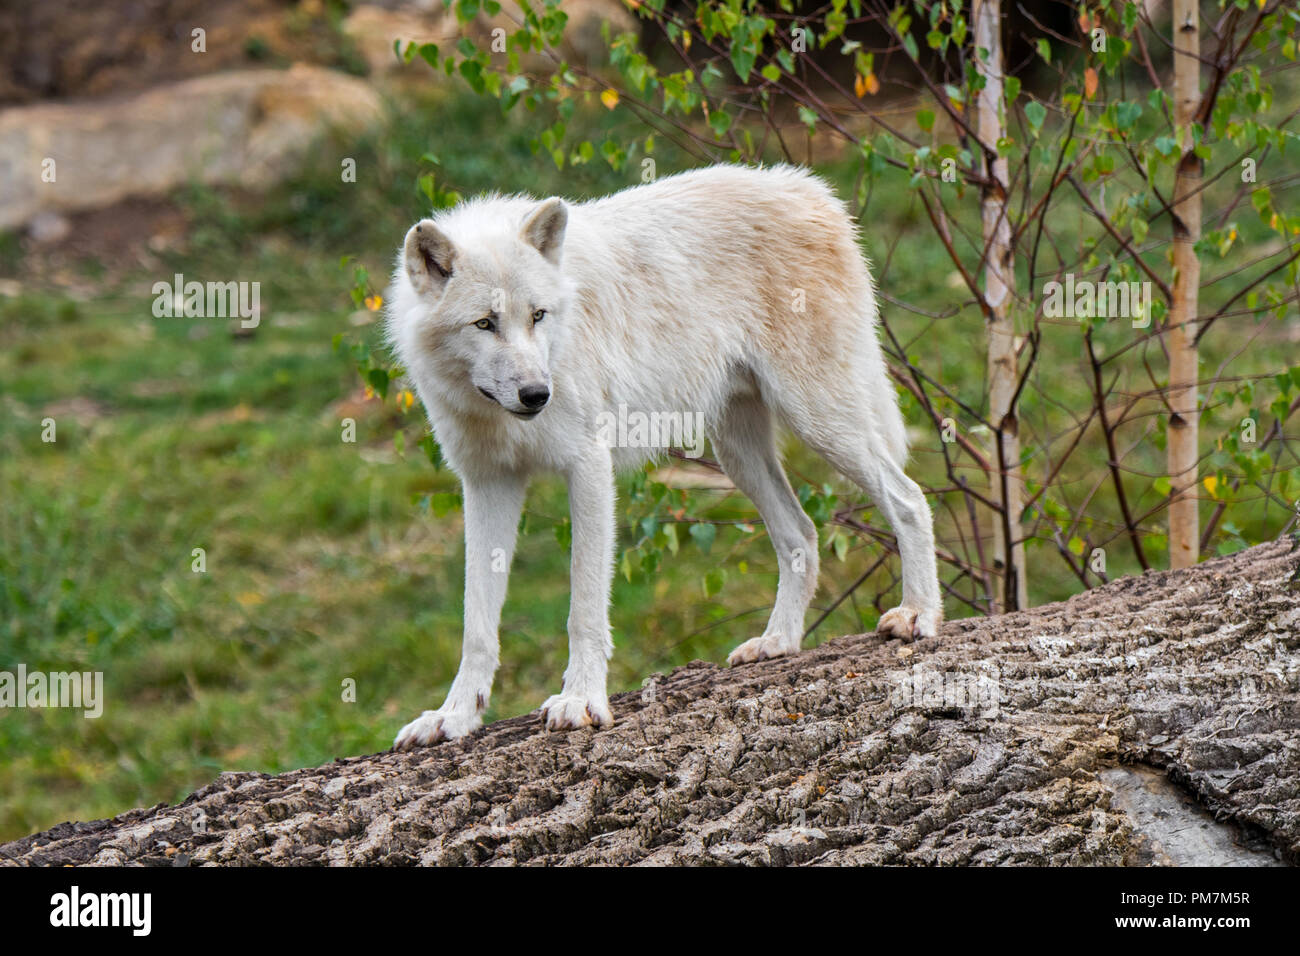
(1130, 16)
(670, 538)
(1035, 113)
(1045, 50)
(840, 545)
(1126, 115)
(442, 503)
(744, 48)
(925, 119)
(713, 582)
(1262, 200)
(431, 449)
(703, 534)
(425, 185)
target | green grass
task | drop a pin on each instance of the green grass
(173, 435)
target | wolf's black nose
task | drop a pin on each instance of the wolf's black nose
(534, 396)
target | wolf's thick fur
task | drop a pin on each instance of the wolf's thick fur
(734, 292)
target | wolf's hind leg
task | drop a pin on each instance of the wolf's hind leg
(836, 417)
(746, 450)
(867, 464)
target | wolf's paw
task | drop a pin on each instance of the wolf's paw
(909, 624)
(433, 726)
(572, 711)
(761, 648)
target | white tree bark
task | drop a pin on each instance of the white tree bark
(1184, 524)
(999, 281)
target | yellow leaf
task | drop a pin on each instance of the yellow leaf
(1090, 82)
(873, 84)
(250, 599)
(1211, 482)
(405, 398)
(373, 302)
(686, 39)
(859, 86)
(609, 98)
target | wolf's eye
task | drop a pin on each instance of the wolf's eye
(538, 316)
(487, 325)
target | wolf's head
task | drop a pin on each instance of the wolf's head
(492, 301)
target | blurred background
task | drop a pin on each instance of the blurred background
(290, 144)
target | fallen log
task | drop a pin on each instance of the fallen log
(1073, 733)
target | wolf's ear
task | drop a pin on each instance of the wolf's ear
(544, 229)
(428, 254)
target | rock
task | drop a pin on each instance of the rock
(251, 127)
(374, 29)
(48, 227)
(583, 32)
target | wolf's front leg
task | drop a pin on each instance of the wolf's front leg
(492, 509)
(584, 701)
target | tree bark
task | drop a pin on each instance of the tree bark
(1184, 531)
(999, 280)
(1068, 734)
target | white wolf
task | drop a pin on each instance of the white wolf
(735, 293)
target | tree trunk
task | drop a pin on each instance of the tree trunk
(999, 280)
(1151, 720)
(1184, 523)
